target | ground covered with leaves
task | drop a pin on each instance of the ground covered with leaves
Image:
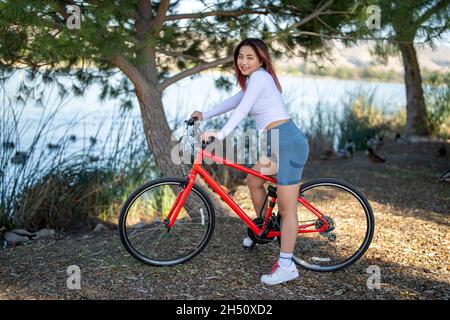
(410, 246)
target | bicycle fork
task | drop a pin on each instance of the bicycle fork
(179, 202)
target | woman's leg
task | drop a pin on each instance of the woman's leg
(256, 185)
(285, 269)
(287, 207)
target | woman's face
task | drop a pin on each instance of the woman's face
(248, 60)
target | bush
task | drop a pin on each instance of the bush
(361, 120)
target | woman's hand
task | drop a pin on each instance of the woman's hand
(197, 114)
(205, 135)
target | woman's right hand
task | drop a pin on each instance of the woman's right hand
(197, 114)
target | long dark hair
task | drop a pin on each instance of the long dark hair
(263, 54)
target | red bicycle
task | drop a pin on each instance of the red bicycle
(171, 220)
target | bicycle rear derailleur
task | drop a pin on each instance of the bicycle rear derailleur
(327, 233)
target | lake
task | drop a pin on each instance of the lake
(86, 116)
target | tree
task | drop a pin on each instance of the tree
(145, 40)
(408, 23)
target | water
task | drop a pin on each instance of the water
(86, 116)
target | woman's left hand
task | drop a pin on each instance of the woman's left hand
(205, 135)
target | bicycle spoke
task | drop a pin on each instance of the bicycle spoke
(349, 231)
(157, 242)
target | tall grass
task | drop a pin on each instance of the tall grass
(329, 126)
(437, 97)
(322, 129)
(63, 186)
(362, 120)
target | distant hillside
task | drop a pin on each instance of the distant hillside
(359, 57)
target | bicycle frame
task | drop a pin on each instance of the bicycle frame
(197, 168)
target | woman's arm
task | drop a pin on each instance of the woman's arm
(255, 87)
(225, 106)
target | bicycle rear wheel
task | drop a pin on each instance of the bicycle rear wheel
(143, 230)
(351, 225)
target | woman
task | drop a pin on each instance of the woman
(261, 97)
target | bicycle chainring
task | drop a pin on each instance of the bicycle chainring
(259, 222)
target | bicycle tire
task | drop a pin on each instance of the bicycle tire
(368, 234)
(197, 190)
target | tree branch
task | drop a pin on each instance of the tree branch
(131, 72)
(318, 11)
(430, 12)
(214, 13)
(177, 54)
(186, 73)
(160, 16)
(314, 14)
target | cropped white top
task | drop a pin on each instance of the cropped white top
(261, 99)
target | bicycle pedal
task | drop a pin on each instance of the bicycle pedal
(253, 246)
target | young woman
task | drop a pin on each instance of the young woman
(261, 97)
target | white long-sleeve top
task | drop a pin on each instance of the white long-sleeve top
(261, 99)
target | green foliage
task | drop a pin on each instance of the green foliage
(437, 97)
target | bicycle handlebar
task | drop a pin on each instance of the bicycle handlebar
(191, 122)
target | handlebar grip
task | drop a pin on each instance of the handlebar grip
(191, 121)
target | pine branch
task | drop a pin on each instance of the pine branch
(186, 73)
(178, 54)
(221, 13)
(430, 12)
(160, 16)
(319, 10)
(313, 15)
(131, 72)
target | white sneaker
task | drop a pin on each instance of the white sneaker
(248, 243)
(280, 274)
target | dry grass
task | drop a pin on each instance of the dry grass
(410, 245)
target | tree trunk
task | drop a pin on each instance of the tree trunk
(158, 135)
(416, 113)
(157, 131)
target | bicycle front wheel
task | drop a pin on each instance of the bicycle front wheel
(350, 231)
(143, 229)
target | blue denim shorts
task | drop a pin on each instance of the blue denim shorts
(290, 154)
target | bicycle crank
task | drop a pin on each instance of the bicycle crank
(260, 240)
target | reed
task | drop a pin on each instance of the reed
(59, 185)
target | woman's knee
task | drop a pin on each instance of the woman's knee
(287, 198)
(254, 182)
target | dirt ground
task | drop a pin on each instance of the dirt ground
(410, 246)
